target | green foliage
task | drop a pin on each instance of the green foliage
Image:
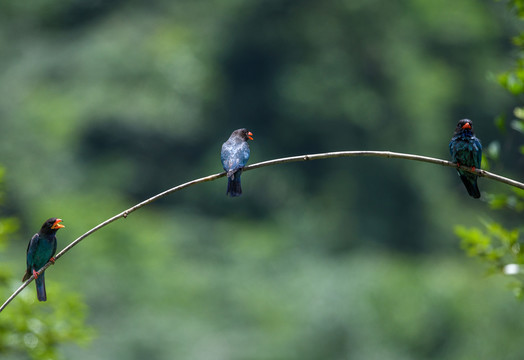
(517, 6)
(513, 200)
(513, 80)
(40, 330)
(518, 123)
(501, 249)
(29, 328)
(495, 245)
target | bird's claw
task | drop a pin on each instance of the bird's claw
(35, 274)
(52, 260)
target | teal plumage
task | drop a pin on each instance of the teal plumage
(234, 156)
(465, 149)
(40, 251)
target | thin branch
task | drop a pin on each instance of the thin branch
(386, 154)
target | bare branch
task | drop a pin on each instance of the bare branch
(386, 154)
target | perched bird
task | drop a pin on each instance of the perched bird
(40, 250)
(234, 156)
(466, 150)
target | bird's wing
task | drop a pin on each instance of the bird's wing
(244, 155)
(227, 156)
(31, 248)
(478, 159)
(234, 158)
(452, 150)
(54, 248)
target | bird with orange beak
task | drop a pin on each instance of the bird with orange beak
(465, 149)
(234, 156)
(40, 251)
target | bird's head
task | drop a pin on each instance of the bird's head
(51, 225)
(244, 134)
(464, 125)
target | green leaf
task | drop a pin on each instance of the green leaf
(507, 237)
(500, 123)
(485, 162)
(519, 112)
(513, 83)
(518, 192)
(498, 201)
(474, 242)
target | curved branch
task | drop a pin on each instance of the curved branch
(386, 154)
(336, 154)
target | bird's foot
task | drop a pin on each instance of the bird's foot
(52, 260)
(35, 274)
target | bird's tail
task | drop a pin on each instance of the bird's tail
(470, 182)
(233, 185)
(40, 287)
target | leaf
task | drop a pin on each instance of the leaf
(493, 150)
(517, 125)
(485, 162)
(519, 112)
(518, 192)
(507, 237)
(498, 201)
(474, 242)
(500, 123)
(512, 83)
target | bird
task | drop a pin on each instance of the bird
(40, 250)
(234, 156)
(465, 149)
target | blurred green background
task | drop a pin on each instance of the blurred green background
(105, 103)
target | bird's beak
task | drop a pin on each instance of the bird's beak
(466, 126)
(250, 135)
(57, 224)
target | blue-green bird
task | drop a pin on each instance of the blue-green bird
(466, 150)
(234, 156)
(40, 251)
